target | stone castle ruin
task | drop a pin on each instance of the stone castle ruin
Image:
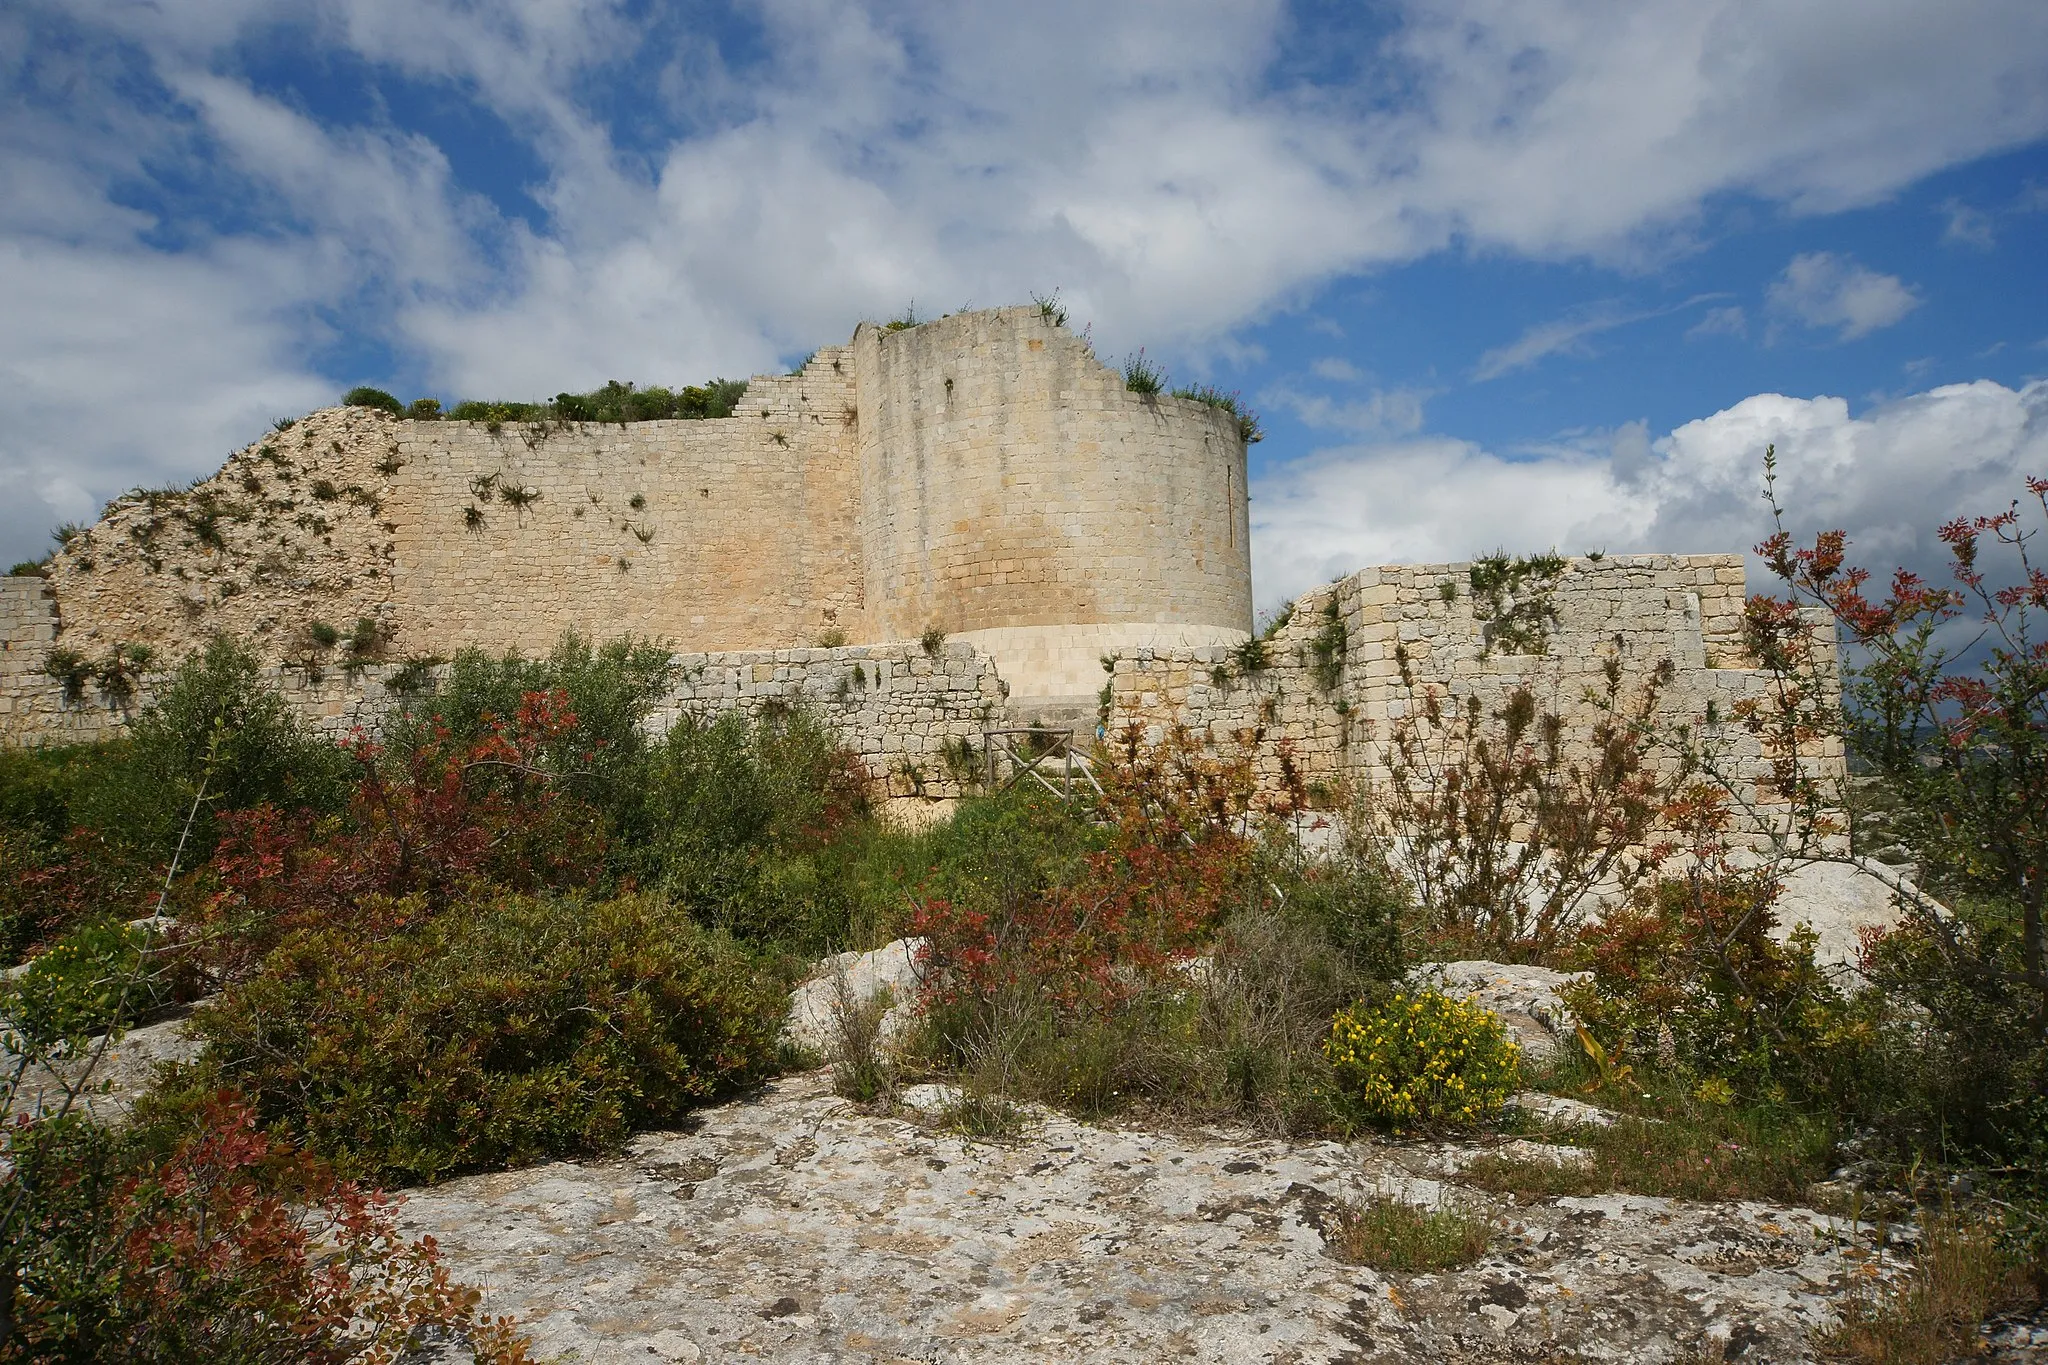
(926, 535)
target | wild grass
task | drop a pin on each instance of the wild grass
(1669, 1143)
(1249, 429)
(1385, 1233)
(1142, 375)
(987, 1117)
(1960, 1275)
(861, 1072)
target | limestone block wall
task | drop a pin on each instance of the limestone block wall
(1065, 662)
(725, 534)
(897, 707)
(1011, 483)
(1639, 610)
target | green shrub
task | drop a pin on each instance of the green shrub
(216, 721)
(1360, 906)
(741, 818)
(1965, 1065)
(85, 983)
(502, 1032)
(615, 402)
(55, 871)
(1422, 1059)
(424, 410)
(363, 396)
(1689, 967)
(609, 688)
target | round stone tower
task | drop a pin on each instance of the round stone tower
(1017, 496)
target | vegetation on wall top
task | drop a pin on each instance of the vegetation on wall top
(1512, 600)
(616, 401)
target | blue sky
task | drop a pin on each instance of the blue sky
(1520, 273)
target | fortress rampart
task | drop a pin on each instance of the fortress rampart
(983, 475)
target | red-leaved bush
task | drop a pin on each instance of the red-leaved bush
(1150, 901)
(420, 828)
(233, 1247)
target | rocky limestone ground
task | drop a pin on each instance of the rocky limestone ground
(795, 1226)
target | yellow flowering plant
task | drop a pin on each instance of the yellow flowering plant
(1420, 1059)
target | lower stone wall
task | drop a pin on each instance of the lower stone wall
(1318, 713)
(902, 710)
(1320, 710)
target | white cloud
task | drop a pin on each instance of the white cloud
(1561, 336)
(1967, 226)
(1338, 370)
(1569, 336)
(1383, 412)
(1824, 290)
(1729, 321)
(1889, 477)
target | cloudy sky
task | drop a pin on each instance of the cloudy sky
(1497, 273)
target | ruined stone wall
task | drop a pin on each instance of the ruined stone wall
(899, 708)
(1323, 706)
(440, 535)
(982, 474)
(295, 531)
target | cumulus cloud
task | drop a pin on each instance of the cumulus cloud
(1823, 290)
(1162, 162)
(1889, 477)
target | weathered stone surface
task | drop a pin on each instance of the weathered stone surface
(123, 1073)
(795, 1227)
(1525, 998)
(1840, 902)
(813, 1021)
(1561, 1112)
